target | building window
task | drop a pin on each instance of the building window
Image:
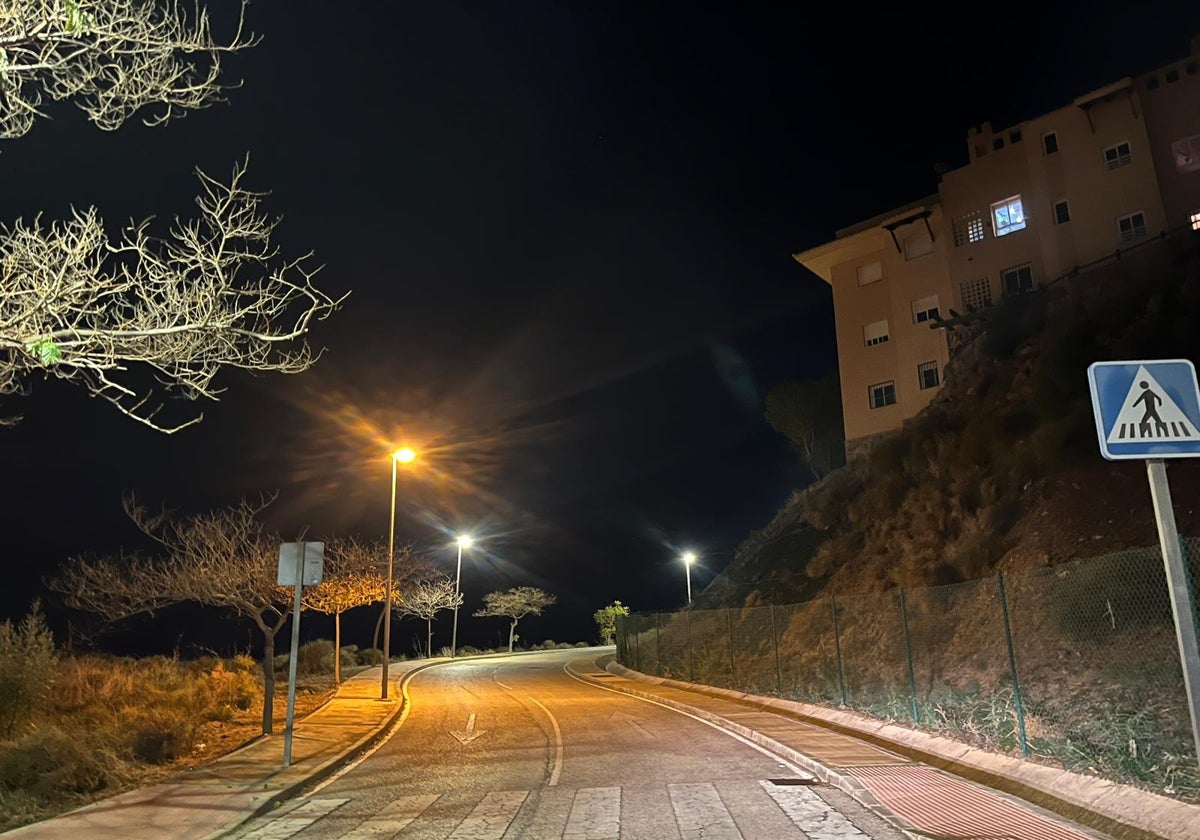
(1190, 68)
(1050, 142)
(1132, 226)
(998, 144)
(1016, 280)
(870, 273)
(1152, 83)
(876, 333)
(1008, 216)
(1187, 153)
(882, 393)
(1195, 220)
(976, 294)
(967, 229)
(1062, 212)
(1117, 156)
(925, 309)
(1172, 76)
(927, 375)
(917, 245)
(1014, 136)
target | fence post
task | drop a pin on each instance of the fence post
(658, 645)
(837, 645)
(1012, 663)
(637, 650)
(775, 642)
(912, 677)
(732, 672)
(691, 668)
(621, 621)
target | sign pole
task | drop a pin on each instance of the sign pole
(291, 703)
(1181, 607)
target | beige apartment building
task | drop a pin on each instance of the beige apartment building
(1036, 201)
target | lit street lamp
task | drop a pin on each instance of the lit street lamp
(463, 542)
(688, 559)
(401, 456)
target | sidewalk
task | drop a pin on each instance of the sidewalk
(213, 799)
(897, 771)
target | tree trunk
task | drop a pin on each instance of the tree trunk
(337, 649)
(429, 638)
(378, 626)
(268, 718)
(512, 630)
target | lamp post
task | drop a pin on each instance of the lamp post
(400, 456)
(688, 559)
(463, 541)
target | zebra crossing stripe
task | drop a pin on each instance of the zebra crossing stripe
(491, 817)
(812, 814)
(700, 813)
(296, 820)
(595, 815)
(392, 819)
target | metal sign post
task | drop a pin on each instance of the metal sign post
(299, 563)
(1151, 410)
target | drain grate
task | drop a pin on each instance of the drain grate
(790, 782)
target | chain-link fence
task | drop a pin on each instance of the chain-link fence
(1076, 663)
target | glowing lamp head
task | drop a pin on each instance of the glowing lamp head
(689, 558)
(404, 456)
(464, 541)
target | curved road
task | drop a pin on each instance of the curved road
(515, 747)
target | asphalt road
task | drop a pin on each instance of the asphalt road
(515, 747)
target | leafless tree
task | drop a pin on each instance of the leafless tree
(121, 316)
(514, 604)
(223, 558)
(426, 600)
(112, 58)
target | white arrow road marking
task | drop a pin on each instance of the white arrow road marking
(632, 721)
(466, 737)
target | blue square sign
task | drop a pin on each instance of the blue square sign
(1146, 409)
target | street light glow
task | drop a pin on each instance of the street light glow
(689, 558)
(404, 455)
(465, 541)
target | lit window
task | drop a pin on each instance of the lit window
(1062, 212)
(1132, 226)
(1186, 153)
(876, 333)
(968, 229)
(1050, 142)
(1195, 220)
(870, 273)
(976, 294)
(927, 375)
(1017, 280)
(1008, 216)
(1117, 156)
(881, 394)
(925, 309)
(917, 245)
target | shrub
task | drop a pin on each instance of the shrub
(369, 656)
(162, 734)
(315, 657)
(50, 761)
(27, 668)
(582, 644)
(468, 650)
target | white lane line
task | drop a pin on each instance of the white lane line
(502, 685)
(392, 818)
(491, 817)
(813, 815)
(783, 762)
(558, 746)
(595, 815)
(700, 813)
(296, 820)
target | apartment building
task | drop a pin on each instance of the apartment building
(1035, 201)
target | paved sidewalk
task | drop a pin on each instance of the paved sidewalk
(211, 800)
(897, 771)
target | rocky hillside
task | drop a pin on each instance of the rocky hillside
(1002, 472)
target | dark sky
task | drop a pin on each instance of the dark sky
(567, 232)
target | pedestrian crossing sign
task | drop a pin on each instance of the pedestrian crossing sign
(1146, 409)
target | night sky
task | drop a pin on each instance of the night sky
(567, 232)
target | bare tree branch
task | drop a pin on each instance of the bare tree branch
(122, 317)
(428, 598)
(514, 604)
(112, 58)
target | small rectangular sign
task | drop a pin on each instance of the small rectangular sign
(1146, 409)
(289, 557)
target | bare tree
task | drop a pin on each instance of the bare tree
(119, 317)
(427, 599)
(223, 558)
(514, 604)
(353, 577)
(111, 58)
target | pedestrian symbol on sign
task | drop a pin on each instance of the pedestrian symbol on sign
(1148, 413)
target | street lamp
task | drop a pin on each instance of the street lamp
(688, 559)
(400, 456)
(463, 541)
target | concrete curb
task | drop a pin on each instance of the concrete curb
(1125, 812)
